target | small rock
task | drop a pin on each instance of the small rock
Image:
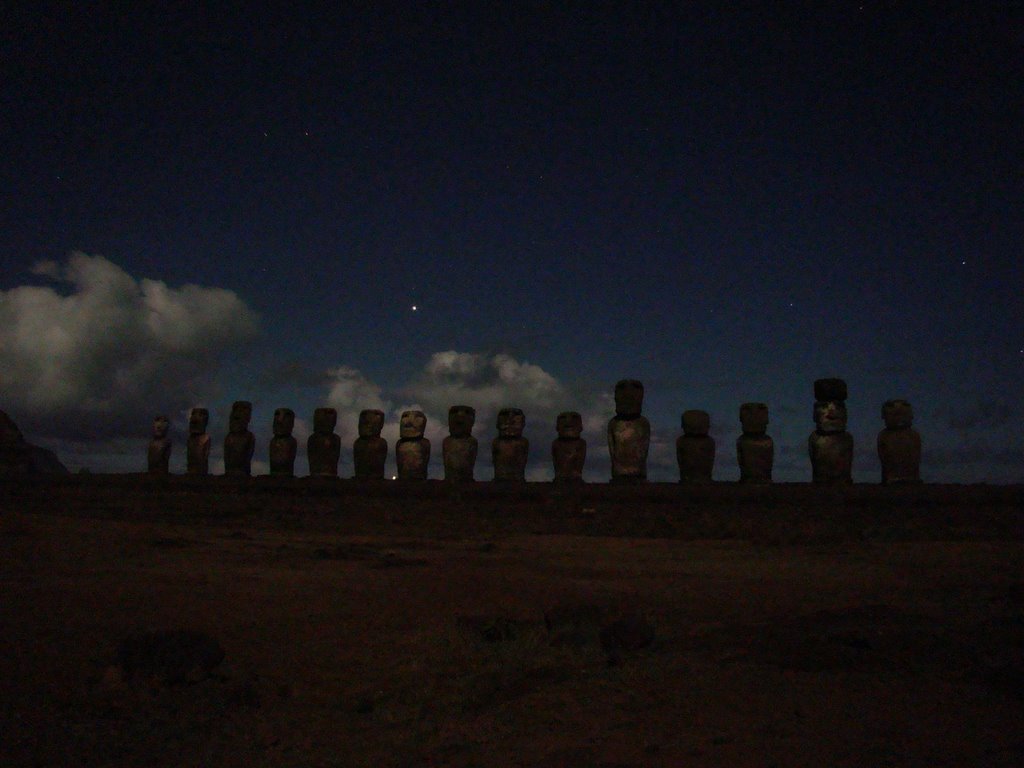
(170, 657)
(575, 625)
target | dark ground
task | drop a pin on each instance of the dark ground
(393, 626)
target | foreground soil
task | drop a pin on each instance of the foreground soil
(388, 626)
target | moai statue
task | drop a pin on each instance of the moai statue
(629, 434)
(370, 450)
(899, 444)
(282, 444)
(412, 452)
(695, 448)
(569, 450)
(459, 449)
(323, 449)
(159, 454)
(830, 445)
(510, 449)
(197, 449)
(239, 443)
(755, 450)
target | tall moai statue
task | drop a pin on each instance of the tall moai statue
(695, 448)
(509, 450)
(460, 447)
(412, 452)
(370, 450)
(282, 445)
(239, 443)
(830, 445)
(159, 453)
(197, 449)
(569, 450)
(629, 434)
(323, 449)
(899, 444)
(755, 450)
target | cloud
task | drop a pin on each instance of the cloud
(96, 360)
(485, 382)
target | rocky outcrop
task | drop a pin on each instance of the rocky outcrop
(18, 457)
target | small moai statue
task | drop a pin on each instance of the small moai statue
(197, 449)
(830, 445)
(629, 434)
(239, 443)
(460, 447)
(755, 450)
(509, 450)
(412, 452)
(370, 450)
(282, 445)
(899, 444)
(323, 448)
(159, 454)
(569, 450)
(695, 448)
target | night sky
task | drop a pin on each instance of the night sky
(515, 206)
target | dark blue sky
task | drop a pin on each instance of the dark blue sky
(724, 204)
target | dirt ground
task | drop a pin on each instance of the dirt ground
(523, 626)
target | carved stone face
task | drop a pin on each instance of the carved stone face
(569, 424)
(696, 422)
(754, 417)
(284, 422)
(898, 414)
(629, 397)
(324, 420)
(511, 422)
(830, 416)
(241, 414)
(371, 422)
(461, 419)
(198, 418)
(160, 427)
(412, 424)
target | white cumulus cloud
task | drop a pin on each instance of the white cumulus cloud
(105, 350)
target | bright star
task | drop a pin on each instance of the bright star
(413, 307)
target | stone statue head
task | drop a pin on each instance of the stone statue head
(629, 397)
(830, 416)
(569, 424)
(241, 414)
(461, 419)
(511, 422)
(412, 424)
(324, 420)
(284, 422)
(829, 389)
(898, 414)
(754, 418)
(696, 422)
(160, 427)
(198, 418)
(371, 422)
